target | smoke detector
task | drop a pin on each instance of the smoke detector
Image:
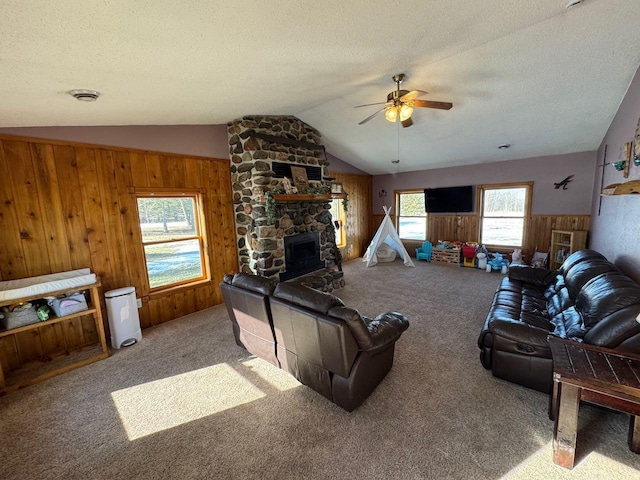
(84, 95)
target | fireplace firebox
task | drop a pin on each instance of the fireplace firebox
(302, 255)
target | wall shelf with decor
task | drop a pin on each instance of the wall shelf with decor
(632, 187)
(563, 244)
(14, 377)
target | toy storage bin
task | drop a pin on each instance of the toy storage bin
(20, 317)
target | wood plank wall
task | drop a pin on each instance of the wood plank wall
(465, 228)
(68, 206)
(540, 227)
(359, 188)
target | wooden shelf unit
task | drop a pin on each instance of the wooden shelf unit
(563, 244)
(62, 363)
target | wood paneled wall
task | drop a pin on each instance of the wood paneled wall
(465, 228)
(452, 227)
(540, 226)
(359, 188)
(68, 206)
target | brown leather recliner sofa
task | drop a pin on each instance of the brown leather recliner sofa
(312, 335)
(587, 300)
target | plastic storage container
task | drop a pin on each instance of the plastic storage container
(124, 321)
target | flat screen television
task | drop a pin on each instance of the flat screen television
(449, 200)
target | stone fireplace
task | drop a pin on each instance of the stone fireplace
(262, 149)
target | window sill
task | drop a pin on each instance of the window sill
(498, 248)
(178, 288)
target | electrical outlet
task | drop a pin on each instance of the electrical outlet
(139, 302)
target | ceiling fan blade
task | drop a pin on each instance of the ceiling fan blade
(407, 123)
(411, 95)
(371, 116)
(430, 104)
(370, 104)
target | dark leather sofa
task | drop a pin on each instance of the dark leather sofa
(312, 335)
(587, 300)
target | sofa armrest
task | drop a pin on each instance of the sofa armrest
(385, 329)
(372, 334)
(540, 277)
(520, 333)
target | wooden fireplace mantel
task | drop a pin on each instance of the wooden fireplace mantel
(308, 197)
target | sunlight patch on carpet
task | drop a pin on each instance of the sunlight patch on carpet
(540, 465)
(167, 403)
(276, 377)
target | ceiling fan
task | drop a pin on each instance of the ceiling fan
(400, 103)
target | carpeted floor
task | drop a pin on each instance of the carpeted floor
(188, 403)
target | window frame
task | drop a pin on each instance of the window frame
(481, 189)
(200, 227)
(397, 195)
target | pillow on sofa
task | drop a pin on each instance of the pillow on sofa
(559, 301)
(568, 324)
(554, 286)
(539, 259)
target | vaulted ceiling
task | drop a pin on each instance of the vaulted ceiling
(541, 77)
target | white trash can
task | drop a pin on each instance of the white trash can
(124, 321)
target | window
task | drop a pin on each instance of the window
(172, 238)
(504, 211)
(411, 218)
(338, 215)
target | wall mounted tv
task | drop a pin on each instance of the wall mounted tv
(449, 200)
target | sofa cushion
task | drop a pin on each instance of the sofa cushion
(306, 297)
(541, 277)
(509, 285)
(254, 283)
(579, 274)
(508, 299)
(618, 330)
(606, 294)
(578, 257)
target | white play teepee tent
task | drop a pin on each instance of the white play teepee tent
(386, 235)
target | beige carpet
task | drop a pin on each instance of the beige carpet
(188, 403)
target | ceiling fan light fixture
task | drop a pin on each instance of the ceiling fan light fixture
(405, 112)
(391, 114)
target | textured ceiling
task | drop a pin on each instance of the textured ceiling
(545, 79)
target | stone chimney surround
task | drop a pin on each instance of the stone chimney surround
(254, 144)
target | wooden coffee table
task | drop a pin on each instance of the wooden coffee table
(596, 375)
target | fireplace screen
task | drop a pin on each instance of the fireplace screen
(302, 255)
